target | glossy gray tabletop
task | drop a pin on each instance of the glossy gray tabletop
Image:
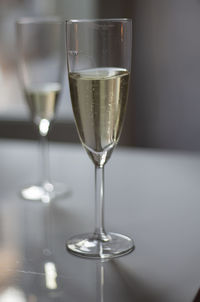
(152, 196)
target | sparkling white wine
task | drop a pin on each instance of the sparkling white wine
(99, 98)
(42, 100)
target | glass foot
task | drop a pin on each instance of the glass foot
(87, 246)
(46, 192)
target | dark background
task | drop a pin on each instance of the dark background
(164, 101)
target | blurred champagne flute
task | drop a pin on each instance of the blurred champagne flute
(41, 61)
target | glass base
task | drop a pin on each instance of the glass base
(86, 245)
(46, 192)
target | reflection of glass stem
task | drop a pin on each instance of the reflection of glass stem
(49, 264)
(47, 250)
(100, 282)
(43, 131)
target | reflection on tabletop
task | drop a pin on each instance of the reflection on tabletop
(36, 271)
(108, 282)
(114, 283)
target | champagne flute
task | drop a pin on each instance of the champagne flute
(41, 61)
(99, 62)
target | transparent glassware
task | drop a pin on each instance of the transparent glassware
(40, 43)
(99, 63)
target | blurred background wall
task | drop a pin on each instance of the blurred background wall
(164, 102)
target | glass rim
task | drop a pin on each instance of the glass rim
(39, 20)
(99, 20)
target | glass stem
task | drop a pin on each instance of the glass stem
(43, 128)
(99, 233)
(44, 153)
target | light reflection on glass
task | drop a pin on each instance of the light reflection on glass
(44, 127)
(50, 275)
